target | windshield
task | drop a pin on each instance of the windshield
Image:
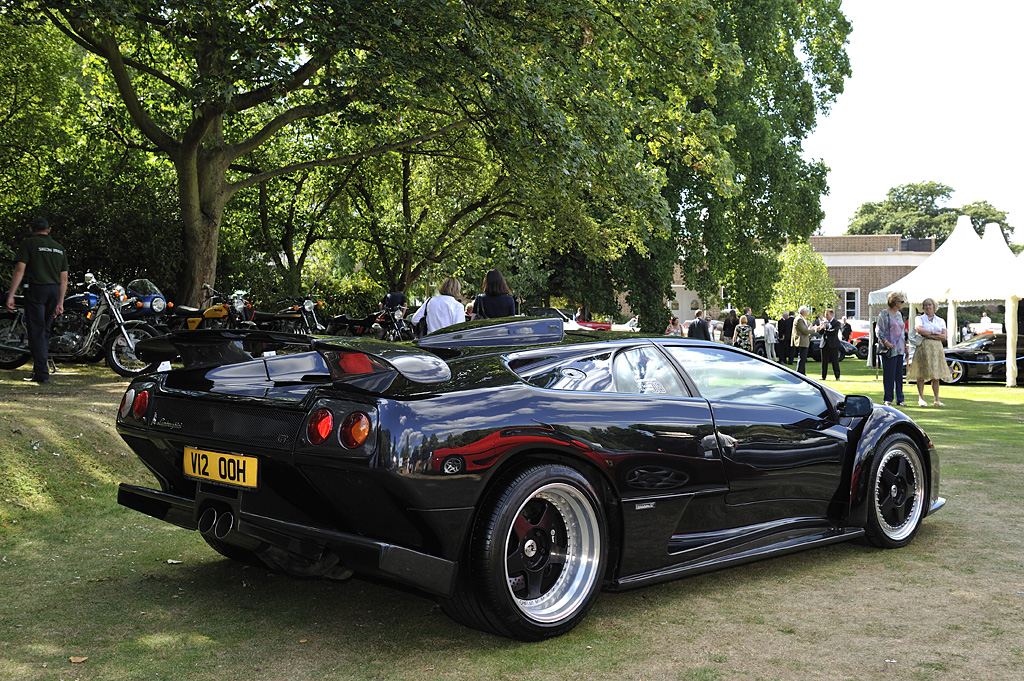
(977, 342)
(143, 287)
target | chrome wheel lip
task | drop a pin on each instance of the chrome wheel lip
(582, 564)
(915, 490)
(956, 369)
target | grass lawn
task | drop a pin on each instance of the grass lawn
(81, 577)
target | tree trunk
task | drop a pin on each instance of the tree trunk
(202, 194)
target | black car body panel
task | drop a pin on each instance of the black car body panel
(983, 358)
(700, 455)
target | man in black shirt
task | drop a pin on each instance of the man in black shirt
(43, 265)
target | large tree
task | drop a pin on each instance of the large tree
(794, 66)
(585, 95)
(915, 211)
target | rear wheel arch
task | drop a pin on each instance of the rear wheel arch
(511, 466)
(472, 602)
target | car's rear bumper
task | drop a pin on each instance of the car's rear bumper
(423, 571)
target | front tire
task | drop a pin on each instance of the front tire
(121, 358)
(898, 493)
(862, 351)
(537, 556)
(958, 370)
(14, 335)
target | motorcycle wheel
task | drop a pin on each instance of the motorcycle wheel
(121, 358)
(16, 336)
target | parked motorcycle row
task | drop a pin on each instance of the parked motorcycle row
(102, 323)
(106, 321)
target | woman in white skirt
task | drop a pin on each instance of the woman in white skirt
(929, 363)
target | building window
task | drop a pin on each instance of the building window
(851, 303)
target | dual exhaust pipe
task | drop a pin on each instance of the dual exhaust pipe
(221, 526)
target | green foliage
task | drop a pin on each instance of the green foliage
(913, 211)
(352, 293)
(795, 64)
(39, 104)
(803, 280)
(577, 102)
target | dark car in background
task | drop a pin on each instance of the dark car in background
(514, 470)
(814, 351)
(983, 357)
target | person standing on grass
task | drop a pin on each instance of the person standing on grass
(770, 339)
(929, 363)
(801, 339)
(831, 347)
(43, 265)
(729, 327)
(743, 334)
(889, 330)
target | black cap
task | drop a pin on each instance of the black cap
(40, 225)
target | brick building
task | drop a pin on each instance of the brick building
(860, 264)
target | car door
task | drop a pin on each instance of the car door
(782, 448)
(630, 408)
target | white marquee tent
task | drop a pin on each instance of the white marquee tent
(966, 269)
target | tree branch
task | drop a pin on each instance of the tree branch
(347, 158)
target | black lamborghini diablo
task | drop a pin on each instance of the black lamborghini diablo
(513, 470)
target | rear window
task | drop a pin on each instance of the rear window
(592, 373)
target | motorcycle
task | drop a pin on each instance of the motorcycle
(298, 318)
(93, 325)
(389, 324)
(227, 311)
(150, 303)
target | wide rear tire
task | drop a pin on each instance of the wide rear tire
(536, 558)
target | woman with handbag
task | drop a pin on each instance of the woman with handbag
(889, 329)
(442, 310)
(929, 361)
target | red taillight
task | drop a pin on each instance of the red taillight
(140, 404)
(320, 426)
(355, 430)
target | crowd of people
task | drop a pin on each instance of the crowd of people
(788, 341)
(41, 264)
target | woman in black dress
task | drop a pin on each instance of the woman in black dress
(496, 300)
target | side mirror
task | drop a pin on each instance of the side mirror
(856, 405)
(89, 278)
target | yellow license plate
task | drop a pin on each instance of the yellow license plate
(228, 469)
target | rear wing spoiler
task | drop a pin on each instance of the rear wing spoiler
(485, 333)
(344, 357)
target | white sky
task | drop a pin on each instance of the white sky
(936, 94)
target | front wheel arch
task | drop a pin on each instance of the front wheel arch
(898, 491)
